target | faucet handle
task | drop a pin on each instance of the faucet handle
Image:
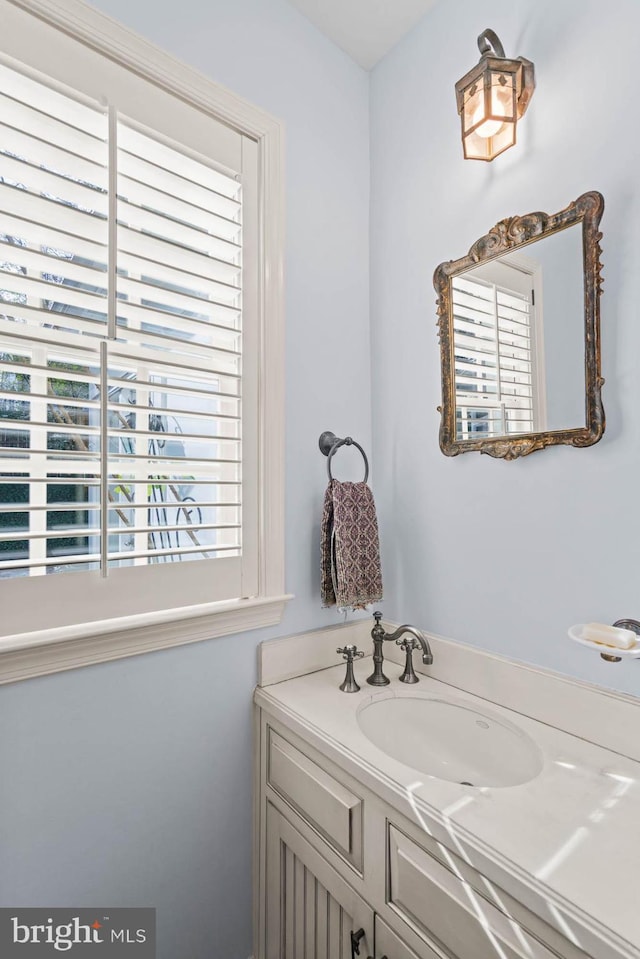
(407, 644)
(350, 653)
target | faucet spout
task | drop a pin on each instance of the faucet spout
(379, 636)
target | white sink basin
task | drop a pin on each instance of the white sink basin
(450, 740)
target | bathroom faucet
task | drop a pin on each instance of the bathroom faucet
(377, 677)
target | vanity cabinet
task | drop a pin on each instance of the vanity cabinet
(335, 858)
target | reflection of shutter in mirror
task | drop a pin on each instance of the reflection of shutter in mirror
(496, 346)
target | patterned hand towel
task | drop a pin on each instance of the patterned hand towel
(351, 574)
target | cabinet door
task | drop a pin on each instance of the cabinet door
(390, 946)
(311, 910)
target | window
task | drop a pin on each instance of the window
(135, 359)
(498, 349)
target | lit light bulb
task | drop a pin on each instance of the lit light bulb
(498, 107)
(487, 129)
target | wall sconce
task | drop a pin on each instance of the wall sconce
(491, 99)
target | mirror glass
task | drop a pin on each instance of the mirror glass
(518, 340)
(520, 335)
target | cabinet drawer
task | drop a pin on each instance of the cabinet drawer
(332, 809)
(448, 910)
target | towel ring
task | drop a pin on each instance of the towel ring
(329, 443)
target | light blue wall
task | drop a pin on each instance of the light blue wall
(505, 555)
(130, 783)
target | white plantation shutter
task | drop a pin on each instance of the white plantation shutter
(495, 353)
(53, 308)
(174, 390)
(127, 332)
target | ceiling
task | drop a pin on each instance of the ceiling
(365, 29)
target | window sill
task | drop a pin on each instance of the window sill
(26, 655)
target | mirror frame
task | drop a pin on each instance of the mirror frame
(510, 234)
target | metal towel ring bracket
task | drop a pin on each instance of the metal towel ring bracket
(329, 443)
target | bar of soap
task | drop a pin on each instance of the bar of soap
(609, 635)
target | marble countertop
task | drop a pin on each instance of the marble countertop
(566, 844)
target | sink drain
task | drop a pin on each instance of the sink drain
(463, 783)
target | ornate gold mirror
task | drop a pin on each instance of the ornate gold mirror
(519, 322)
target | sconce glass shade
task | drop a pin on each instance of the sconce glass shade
(491, 99)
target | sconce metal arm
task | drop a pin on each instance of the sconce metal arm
(489, 44)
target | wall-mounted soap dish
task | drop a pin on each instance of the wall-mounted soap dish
(612, 654)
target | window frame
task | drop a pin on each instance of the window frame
(51, 650)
